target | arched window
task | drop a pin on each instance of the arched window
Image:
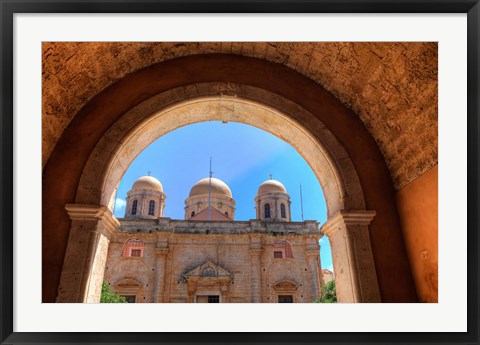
(282, 211)
(267, 210)
(133, 247)
(282, 249)
(134, 207)
(226, 213)
(192, 214)
(208, 272)
(151, 208)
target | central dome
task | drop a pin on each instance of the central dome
(271, 186)
(217, 187)
(148, 182)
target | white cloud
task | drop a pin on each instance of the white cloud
(120, 204)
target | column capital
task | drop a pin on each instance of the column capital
(346, 218)
(93, 212)
(161, 251)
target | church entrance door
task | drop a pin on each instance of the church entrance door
(208, 299)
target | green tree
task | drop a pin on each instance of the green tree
(108, 296)
(329, 294)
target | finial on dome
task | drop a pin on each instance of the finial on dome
(149, 172)
(271, 176)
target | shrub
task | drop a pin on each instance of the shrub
(329, 294)
(108, 296)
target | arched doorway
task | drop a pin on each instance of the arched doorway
(342, 154)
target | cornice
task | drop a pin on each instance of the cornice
(347, 218)
(93, 212)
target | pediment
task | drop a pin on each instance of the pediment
(208, 269)
(128, 282)
(285, 285)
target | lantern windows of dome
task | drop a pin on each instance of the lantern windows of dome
(151, 208)
(267, 210)
(134, 207)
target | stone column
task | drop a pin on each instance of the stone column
(313, 263)
(256, 274)
(161, 258)
(275, 216)
(159, 208)
(143, 211)
(289, 215)
(354, 268)
(84, 265)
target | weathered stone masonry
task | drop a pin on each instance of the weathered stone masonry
(209, 257)
(241, 254)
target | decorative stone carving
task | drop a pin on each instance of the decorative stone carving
(215, 282)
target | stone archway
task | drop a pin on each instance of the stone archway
(139, 127)
(342, 173)
(320, 149)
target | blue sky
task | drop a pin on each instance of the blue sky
(242, 156)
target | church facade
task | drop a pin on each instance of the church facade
(209, 257)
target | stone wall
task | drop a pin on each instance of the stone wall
(418, 210)
(227, 247)
(392, 87)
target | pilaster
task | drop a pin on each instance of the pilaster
(313, 264)
(255, 263)
(161, 253)
(355, 275)
(84, 265)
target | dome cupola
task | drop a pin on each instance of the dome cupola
(272, 202)
(216, 186)
(210, 191)
(148, 182)
(146, 199)
(271, 186)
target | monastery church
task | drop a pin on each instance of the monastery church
(209, 257)
(363, 115)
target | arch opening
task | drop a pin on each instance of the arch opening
(340, 184)
(341, 192)
(244, 160)
(244, 168)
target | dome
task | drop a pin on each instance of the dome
(271, 186)
(148, 182)
(217, 187)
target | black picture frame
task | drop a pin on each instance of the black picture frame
(9, 8)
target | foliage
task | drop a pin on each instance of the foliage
(329, 294)
(109, 296)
